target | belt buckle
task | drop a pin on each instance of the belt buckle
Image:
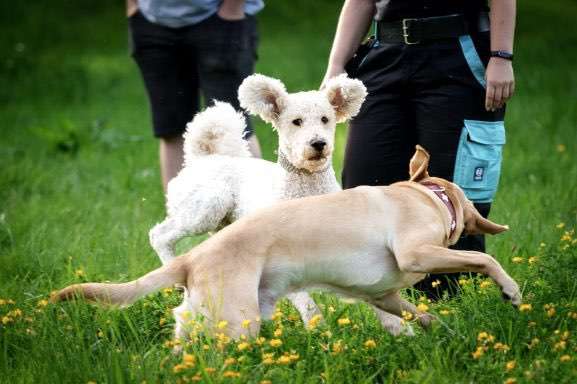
(406, 32)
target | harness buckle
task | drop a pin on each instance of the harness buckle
(406, 35)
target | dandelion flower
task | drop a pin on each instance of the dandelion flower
(284, 360)
(422, 307)
(510, 380)
(517, 260)
(525, 308)
(510, 365)
(485, 284)
(277, 332)
(338, 347)
(314, 321)
(243, 346)
(478, 353)
(502, 347)
(406, 315)
(210, 370)
(245, 323)
(343, 321)
(444, 312)
(370, 344)
(533, 259)
(275, 343)
(230, 374)
(222, 324)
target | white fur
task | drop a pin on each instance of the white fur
(219, 183)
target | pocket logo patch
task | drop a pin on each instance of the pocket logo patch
(479, 173)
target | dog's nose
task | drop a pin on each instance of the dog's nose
(318, 145)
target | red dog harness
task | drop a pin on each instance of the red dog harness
(441, 194)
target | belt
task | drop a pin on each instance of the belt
(415, 31)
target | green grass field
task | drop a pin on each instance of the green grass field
(79, 190)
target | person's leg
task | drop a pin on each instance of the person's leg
(172, 87)
(226, 54)
(448, 95)
(381, 137)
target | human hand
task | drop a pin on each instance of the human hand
(500, 83)
(332, 71)
(231, 10)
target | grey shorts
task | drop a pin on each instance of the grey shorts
(177, 64)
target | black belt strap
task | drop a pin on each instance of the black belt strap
(415, 31)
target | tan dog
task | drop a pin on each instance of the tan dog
(366, 242)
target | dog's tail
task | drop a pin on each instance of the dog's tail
(217, 130)
(124, 294)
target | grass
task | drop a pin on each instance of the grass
(79, 190)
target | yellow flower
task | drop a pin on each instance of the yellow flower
(560, 225)
(265, 382)
(277, 332)
(542, 245)
(189, 359)
(510, 380)
(478, 353)
(245, 323)
(222, 324)
(276, 316)
(243, 346)
(42, 303)
(162, 321)
(517, 260)
(435, 283)
(260, 340)
(91, 382)
(178, 368)
(533, 260)
(485, 284)
(565, 358)
(230, 374)
(210, 370)
(422, 307)
(510, 365)
(370, 344)
(6, 320)
(444, 312)
(338, 347)
(406, 315)
(533, 343)
(314, 321)
(294, 356)
(343, 321)
(331, 309)
(561, 147)
(463, 282)
(275, 343)
(268, 358)
(79, 273)
(501, 347)
(551, 312)
(525, 308)
(561, 345)
(284, 360)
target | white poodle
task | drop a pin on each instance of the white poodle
(220, 182)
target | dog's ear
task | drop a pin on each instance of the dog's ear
(263, 96)
(484, 226)
(345, 95)
(418, 167)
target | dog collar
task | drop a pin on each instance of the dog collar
(290, 168)
(441, 194)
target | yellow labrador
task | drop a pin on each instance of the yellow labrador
(366, 242)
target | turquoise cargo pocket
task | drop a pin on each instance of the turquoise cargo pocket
(478, 162)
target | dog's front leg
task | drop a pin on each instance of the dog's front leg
(395, 304)
(305, 304)
(435, 259)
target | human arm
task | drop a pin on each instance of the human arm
(353, 24)
(499, 76)
(131, 7)
(231, 10)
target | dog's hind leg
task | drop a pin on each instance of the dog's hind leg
(396, 305)
(305, 305)
(393, 323)
(163, 237)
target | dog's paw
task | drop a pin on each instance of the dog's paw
(426, 319)
(512, 293)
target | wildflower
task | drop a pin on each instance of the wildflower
(196, 377)
(517, 260)
(485, 284)
(550, 310)
(230, 374)
(314, 321)
(559, 346)
(478, 353)
(533, 343)
(100, 334)
(422, 307)
(260, 340)
(42, 303)
(444, 312)
(542, 245)
(531, 324)
(343, 321)
(243, 346)
(276, 316)
(565, 358)
(338, 347)
(162, 321)
(560, 225)
(510, 365)
(463, 282)
(79, 273)
(265, 382)
(245, 323)
(435, 283)
(210, 370)
(178, 368)
(189, 359)
(91, 382)
(327, 334)
(331, 309)
(277, 332)
(565, 335)
(294, 356)
(533, 260)
(370, 344)
(525, 308)
(6, 320)
(406, 315)
(167, 291)
(268, 358)
(2, 302)
(222, 324)
(561, 148)
(275, 343)
(484, 336)
(502, 347)
(284, 360)
(510, 380)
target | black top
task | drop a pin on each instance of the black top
(392, 10)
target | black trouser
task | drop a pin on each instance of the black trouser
(214, 56)
(427, 94)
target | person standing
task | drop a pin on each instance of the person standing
(438, 74)
(183, 47)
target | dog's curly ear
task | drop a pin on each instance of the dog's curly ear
(345, 95)
(263, 96)
(418, 167)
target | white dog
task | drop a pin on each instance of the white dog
(220, 182)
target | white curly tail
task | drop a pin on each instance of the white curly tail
(218, 130)
(123, 294)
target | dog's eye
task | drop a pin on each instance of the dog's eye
(297, 122)
(324, 119)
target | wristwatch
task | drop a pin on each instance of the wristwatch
(502, 54)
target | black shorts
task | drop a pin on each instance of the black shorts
(212, 57)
